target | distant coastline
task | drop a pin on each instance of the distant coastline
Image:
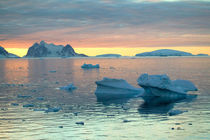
(50, 50)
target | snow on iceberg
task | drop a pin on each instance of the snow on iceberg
(68, 87)
(160, 87)
(109, 89)
(89, 66)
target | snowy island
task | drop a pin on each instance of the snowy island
(165, 52)
(44, 49)
(109, 55)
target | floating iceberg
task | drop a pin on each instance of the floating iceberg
(160, 87)
(90, 66)
(156, 89)
(69, 87)
(23, 96)
(55, 109)
(28, 105)
(109, 89)
(175, 112)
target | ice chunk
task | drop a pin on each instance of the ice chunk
(24, 96)
(68, 87)
(108, 89)
(160, 87)
(28, 105)
(175, 112)
(40, 98)
(80, 123)
(163, 82)
(159, 81)
(52, 110)
(14, 104)
(39, 109)
(52, 71)
(89, 66)
(185, 85)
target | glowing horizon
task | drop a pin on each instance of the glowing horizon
(123, 51)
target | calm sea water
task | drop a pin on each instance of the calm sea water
(41, 78)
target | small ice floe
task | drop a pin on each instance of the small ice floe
(69, 87)
(40, 98)
(175, 112)
(52, 71)
(165, 89)
(28, 105)
(126, 121)
(24, 96)
(108, 89)
(90, 66)
(39, 109)
(76, 113)
(80, 123)
(52, 110)
(14, 104)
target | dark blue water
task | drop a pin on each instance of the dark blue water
(32, 78)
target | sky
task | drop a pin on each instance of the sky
(112, 26)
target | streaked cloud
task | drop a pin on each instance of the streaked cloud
(107, 22)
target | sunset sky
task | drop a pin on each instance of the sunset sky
(106, 26)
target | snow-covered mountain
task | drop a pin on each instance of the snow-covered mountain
(5, 54)
(44, 49)
(165, 52)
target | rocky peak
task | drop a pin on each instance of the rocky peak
(44, 49)
(5, 54)
(37, 50)
(3, 51)
(68, 51)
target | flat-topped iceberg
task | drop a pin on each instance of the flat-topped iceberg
(90, 66)
(109, 89)
(161, 88)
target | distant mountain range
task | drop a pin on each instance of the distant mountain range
(5, 54)
(44, 49)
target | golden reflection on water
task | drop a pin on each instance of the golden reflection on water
(14, 70)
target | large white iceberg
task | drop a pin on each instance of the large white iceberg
(109, 89)
(89, 66)
(160, 87)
